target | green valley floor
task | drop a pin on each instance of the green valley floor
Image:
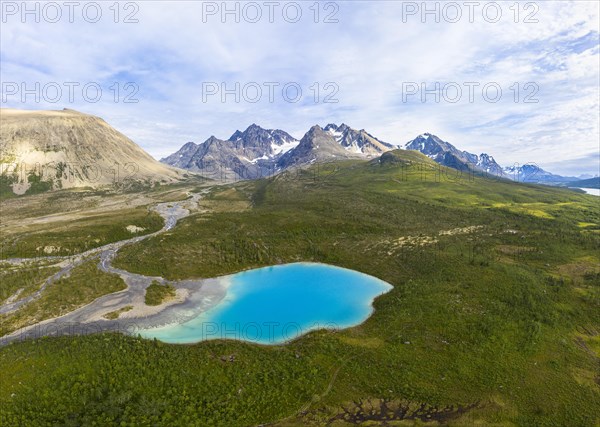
(494, 318)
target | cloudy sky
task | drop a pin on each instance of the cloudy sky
(520, 82)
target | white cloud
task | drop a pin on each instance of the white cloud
(369, 54)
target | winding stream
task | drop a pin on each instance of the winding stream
(299, 296)
(193, 296)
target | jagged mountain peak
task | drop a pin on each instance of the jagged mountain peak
(257, 135)
(332, 127)
(258, 149)
(315, 128)
(212, 140)
(488, 164)
(532, 173)
(316, 145)
(429, 144)
(313, 132)
(252, 129)
(447, 154)
(426, 136)
(247, 154)
(357, 141)
(237, 135)
(189, 146)
(486, 157)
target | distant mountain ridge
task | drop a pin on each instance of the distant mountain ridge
(585, 183)
(258, 152)
(447, 154)
(317, 145)
(249, 154)
(357, 141)
(66, 149)
(532, 173)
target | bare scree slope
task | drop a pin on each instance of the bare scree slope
(66, 149)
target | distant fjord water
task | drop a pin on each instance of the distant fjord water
(592, 191)
(273, 305)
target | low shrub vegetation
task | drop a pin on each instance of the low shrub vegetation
(493, 319)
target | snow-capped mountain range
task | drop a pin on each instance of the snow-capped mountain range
(358, 142)
(245, 155)
(258, 152)
(447, 154)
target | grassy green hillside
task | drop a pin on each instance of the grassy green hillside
(494, 318)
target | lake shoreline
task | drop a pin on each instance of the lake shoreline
(196, 297)
(589, 191)
(210, 324)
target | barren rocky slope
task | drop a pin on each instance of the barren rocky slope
(65, 149)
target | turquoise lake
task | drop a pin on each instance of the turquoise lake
(275, 304)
